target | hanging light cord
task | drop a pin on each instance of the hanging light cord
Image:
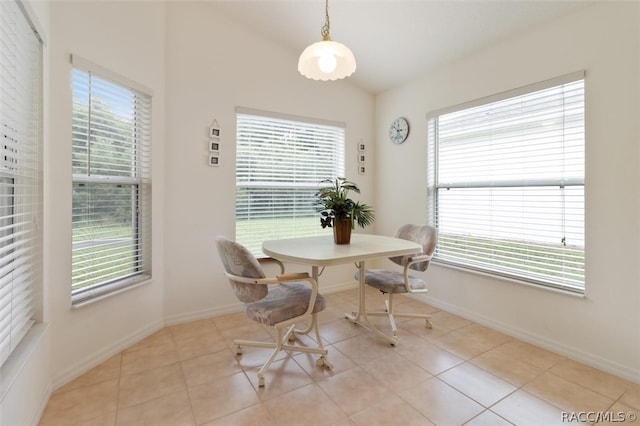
(325, 28)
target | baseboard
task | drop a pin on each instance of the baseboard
(98, 357)
(237, 307)
(104, 354)
(203, 314)
(338, 287)
(538, 340)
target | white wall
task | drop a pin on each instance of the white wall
(213, 66)
(129, 39)
(603, 328)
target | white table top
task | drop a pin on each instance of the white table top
(322, 251)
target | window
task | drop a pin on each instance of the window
(280, 161)
(506, 184)
(111, 182)
(20, 176)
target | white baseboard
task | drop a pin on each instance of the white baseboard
(559, 348)
(104, 354)
(203, 314)
(551, 345)
(237, 307)
(97, 358)
(338, 287)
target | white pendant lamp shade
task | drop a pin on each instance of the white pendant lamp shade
(326, 59)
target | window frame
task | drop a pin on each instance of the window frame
(138, 180)
(435, 186)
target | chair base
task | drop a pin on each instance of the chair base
(391, 314)
(284, 335)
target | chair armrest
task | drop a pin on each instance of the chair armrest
(293, 276)
(279, 279)
(267, 260)
(419, 258)
(414, 259)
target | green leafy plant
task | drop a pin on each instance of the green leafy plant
(334, 204)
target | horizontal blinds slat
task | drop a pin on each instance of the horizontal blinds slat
(279, 164)
(508, 189)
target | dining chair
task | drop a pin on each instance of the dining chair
(282, 302)
(391, 282)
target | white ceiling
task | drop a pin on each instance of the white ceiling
(396, 40)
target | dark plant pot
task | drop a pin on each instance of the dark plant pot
(342, 231)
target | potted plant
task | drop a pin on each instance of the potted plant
(340, 212)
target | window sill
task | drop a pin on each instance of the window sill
(580, 295)
(89, 297)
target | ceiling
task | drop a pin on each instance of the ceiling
(396, 40)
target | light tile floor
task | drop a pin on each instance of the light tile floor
(457, 373)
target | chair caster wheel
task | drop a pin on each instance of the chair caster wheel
(261, 381)
(238, 350)
(324, 362)
(428, 324)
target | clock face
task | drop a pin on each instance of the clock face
(399, 130)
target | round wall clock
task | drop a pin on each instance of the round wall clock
(399, 130)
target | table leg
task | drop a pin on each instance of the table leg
(361, 317)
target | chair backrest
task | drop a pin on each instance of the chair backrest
(237, 260)
(425, 235)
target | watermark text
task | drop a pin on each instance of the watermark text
(600, 416)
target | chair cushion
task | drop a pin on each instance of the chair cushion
(284, 301)
(390, 281)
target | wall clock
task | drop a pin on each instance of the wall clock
(399, 130)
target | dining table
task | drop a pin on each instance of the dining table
(321, 251)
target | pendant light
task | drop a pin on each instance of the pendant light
(326, 59)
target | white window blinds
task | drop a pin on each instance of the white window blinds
(279, 164)
(111, 183)
(507, 184)
(20, 187)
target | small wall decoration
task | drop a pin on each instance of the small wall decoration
(362, 167)
(214, 143)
